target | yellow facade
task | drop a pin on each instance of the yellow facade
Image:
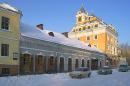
(88, 27)
(11, 36)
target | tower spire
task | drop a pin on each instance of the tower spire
(82, 9)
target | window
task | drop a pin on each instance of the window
(89, 18)
(4, 50)
(76, 63)
(88, 38)
(5, 70)
(51, 60)
(39, 60)
(88, 27)
(96, 25)
(95, 37)
(5, 23)
(82, 62)
(84, 28)
(79, 29)
(79, 19)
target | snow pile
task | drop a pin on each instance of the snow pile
(7, 6)
(63, 79)
(33, 32)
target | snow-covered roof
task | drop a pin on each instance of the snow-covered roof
(9, 7)
(32, 32)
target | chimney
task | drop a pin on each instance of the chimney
(40, 26)
(65, 34)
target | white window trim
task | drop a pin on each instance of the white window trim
(4, 30)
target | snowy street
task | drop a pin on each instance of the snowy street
(62, 79)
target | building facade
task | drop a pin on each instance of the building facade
(9, 39)
(29, 50)
(90, 29)
(45, 56)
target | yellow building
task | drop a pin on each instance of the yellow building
(90, 29)
(9, 39)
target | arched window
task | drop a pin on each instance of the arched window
(84, 28)
(82, 62)
(88, 27)
(51, 60)
(79, 19)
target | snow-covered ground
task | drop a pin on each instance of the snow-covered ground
(62, 79)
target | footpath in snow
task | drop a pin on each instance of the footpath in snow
(63, 79)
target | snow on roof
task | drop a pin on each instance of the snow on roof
(32, 32)
(9, 7)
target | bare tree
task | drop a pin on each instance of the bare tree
(125, 51)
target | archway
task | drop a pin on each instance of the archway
(76, 63)
(39, 64)
(52, 65)
(26, 64)
(82, 63)
(61, 65)
(94, 64)
(69, 64)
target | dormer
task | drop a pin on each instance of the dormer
(51, 34)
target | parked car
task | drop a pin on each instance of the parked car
(128, 67)
(123, 68)
(105, 70)
(81, 72)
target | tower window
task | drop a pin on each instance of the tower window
(88, 27)
(84, 28)
(5, 23)
(79, 19)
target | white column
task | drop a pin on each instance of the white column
(58, 64)
(73, 64)
(90, 64)
(85, 62)
(99, 63)
(80, 62)
(46, 63)
(34, 66)
(65, 64)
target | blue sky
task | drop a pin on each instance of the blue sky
(59, 15)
